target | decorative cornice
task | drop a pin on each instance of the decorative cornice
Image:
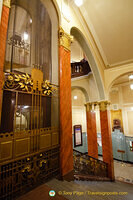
(103, 105)
(7, 3)
(65, 39)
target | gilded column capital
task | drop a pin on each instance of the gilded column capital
(7, 3)
(65, 39)
(103, 105)
(89, 107)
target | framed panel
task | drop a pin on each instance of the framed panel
(6, 150)
(78, 136)
(45, 141)
(22, 146)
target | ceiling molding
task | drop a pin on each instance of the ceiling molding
(120, 64)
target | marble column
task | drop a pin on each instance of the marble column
(66, 148)
(91, 131)
(3, 35)
(106, 137)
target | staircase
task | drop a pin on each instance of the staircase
(89, 168)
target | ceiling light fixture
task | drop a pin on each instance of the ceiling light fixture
(131, 86)
(130, 76)
(26, 36)
(78, 2)
(75, 97)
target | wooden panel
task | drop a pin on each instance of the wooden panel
(45, 141)
(55, 138)
(22, 146)
(6, 150)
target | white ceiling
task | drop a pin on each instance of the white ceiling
(111, 24)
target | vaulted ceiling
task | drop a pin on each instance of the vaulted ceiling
(111, 25)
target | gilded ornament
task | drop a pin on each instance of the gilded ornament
(26, 169)
(42, 162)
(103, 105)
(10, 78)
(25, 83)
(7, 3)
(65, 39)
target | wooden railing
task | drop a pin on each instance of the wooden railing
(87, 165)
(80, 69)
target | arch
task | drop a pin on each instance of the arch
(112, 74)
(83, 43)
(83, 90)
(54, 14)
(112, 83)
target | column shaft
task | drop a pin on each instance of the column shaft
(92, 134)
(66, 148)
(3, 35)
(107, 141)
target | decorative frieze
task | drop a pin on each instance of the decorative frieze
(65, 39)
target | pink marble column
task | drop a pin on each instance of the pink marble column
(91, 131)
(66, 147)
(3, 34)
(106, 138)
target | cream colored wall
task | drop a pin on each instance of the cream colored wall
(78, 109)
(98, 126)
(88, 83)
(111, 74)
(122, 95)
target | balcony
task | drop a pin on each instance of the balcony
(80, 68)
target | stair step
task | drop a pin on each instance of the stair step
(90, 178)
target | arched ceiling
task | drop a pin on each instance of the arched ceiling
(110, 23)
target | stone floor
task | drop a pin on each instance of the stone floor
(88, 190)
(123, 171)
(81, 190)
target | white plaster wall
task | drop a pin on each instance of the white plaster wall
(88, 83)
(1, 2)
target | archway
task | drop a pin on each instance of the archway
(82, 41)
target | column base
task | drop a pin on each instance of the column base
(68, 177)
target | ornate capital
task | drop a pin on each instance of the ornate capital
(103, 105)
(7, 3)
(65, 39)
(90, 106)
